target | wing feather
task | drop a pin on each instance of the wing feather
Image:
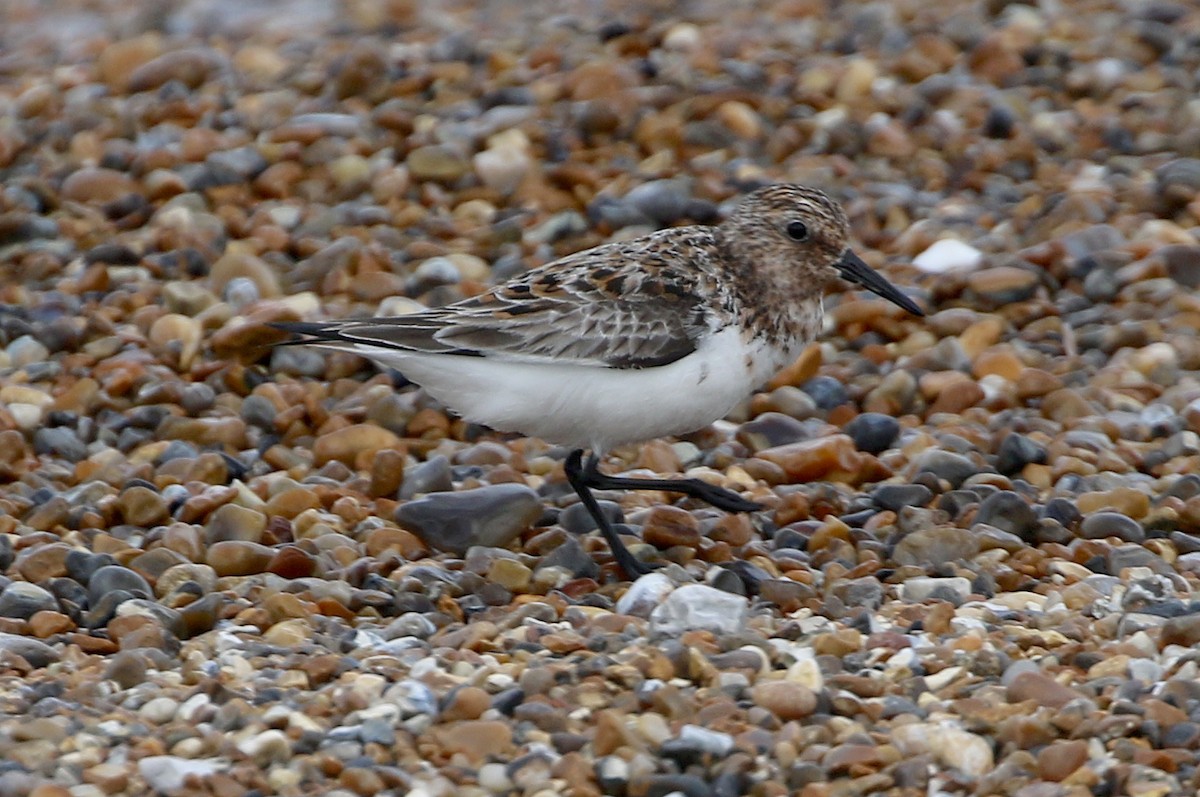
(603, 307)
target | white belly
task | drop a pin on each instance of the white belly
(586, 406)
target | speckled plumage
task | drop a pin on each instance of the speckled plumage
(630, 340)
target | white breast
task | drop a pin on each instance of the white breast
(587, 406)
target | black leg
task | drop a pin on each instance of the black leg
(578, 477)
(719, 497)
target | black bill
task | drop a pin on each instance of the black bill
(853, 269)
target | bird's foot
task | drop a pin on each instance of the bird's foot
(719, 497)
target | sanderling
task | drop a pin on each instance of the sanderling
(630, 341)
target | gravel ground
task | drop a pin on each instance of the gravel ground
(229, 569)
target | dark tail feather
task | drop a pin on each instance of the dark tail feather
(312, 332)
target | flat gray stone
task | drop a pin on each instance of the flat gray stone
(21, 600)
(491, 516)
(38, 654)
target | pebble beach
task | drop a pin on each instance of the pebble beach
(229, 568)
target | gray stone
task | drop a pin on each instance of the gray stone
(1101, 525)
(1009, 512)
(1097, 238)
(1016, 451)
(873, 432)
(494, 516)
(935, 546)
(826, 392)
(59, 441)
(431, 476)
(115, 577)
(576, 519)
(954, 468)
(37, 653)
(1178, 182)
(571, 557)
(772, 429)
(897, 496)
(662, 201)
(866, 592)
(1133, 556)
(22, 600)
(1183, 263)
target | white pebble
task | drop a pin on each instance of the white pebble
(682, 36)
(159, 710)
(166, 773)
(700, 607)
(715, 742)
(501, 168)
(27, 350)
(948, 254)
(493, 778)
(26, 416)
(191, 707)
(644, 595)
(267, 747)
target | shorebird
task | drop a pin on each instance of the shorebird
(630, 341)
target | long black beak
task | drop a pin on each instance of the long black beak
(853, 269)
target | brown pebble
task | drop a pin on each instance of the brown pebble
(735, 530)
(824, 458)
(232, 522)
(467, 703)
(49, 516)
(290, 503)
(477, 740)
(382, 540)
(51, 790)
(292, 562)
(93, 184)
(155, 562)
(785, 699)
(361, 780)
(347, 444)
(201, 615)
(190, 66)
(804, 368)
(47, 623)
(387, 473)
(1034, 383)
(611, 733)
(120, 58)
(854, 759)
(1002, 285)
(238, 558)
(1183, 631)
(956, 397)
(127, 668)
(141, 506)
(666, 526)
(1041, 688)
(1065, 405)
(1058, 760)
(999, 361)
(788, 595)
(43, 562)
(235, 264)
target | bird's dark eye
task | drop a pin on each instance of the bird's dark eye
(797, 231)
